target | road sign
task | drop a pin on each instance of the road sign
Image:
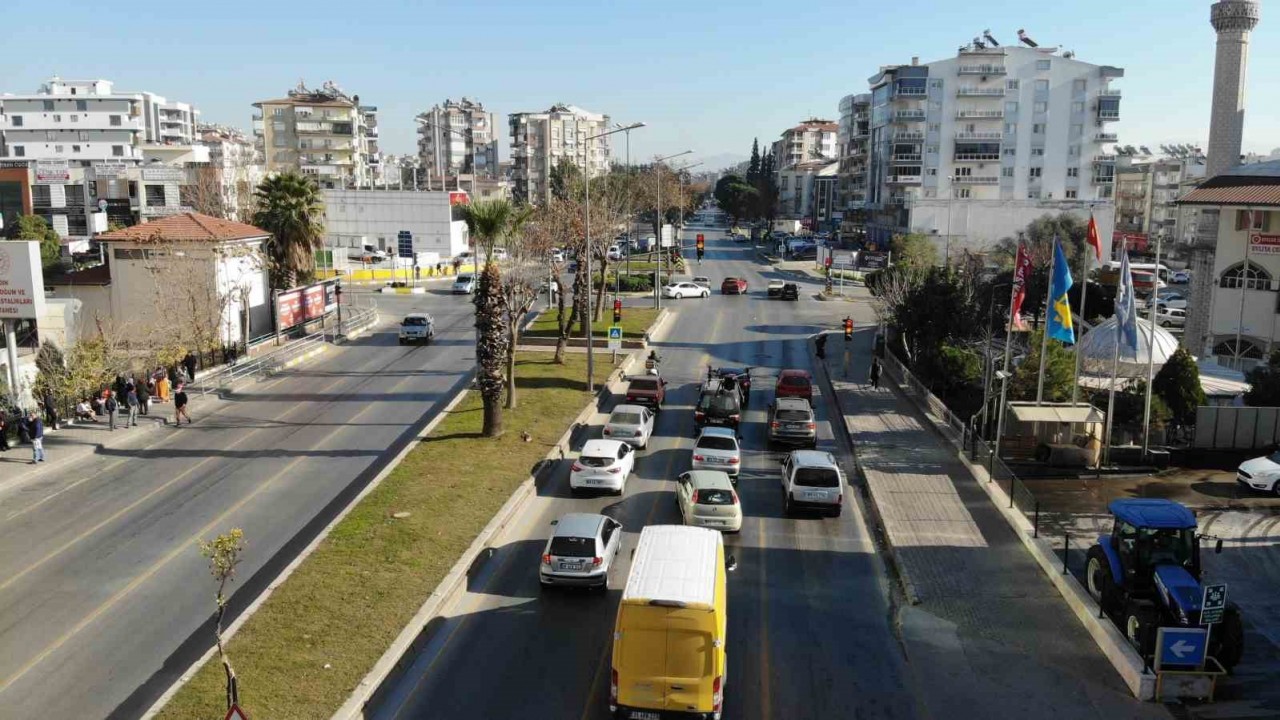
(1181, 646)
(1214, 603)
(235, 713)
(404, 244)
(615, 337)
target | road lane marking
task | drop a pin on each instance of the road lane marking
(177, 550)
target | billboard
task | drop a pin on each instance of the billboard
(1260, 244)
(21, 281)
(288, 309)
(313, 302)
(53, 171)
(873, 260)
(459, 198)
(330, 296)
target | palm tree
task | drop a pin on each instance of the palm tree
(291, 209)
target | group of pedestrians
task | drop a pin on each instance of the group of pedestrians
(30, 429)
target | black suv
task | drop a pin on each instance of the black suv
(790, 291)
(719, 404)
(739, 377)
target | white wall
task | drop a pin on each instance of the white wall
(380, 215)
(978, 224)
(1261, 320)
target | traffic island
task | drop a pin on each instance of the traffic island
(637, 324)
(321, 631)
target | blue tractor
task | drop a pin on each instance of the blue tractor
(1146, 575)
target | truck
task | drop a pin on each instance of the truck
(1146, 574)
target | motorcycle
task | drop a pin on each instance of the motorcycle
(651, 365)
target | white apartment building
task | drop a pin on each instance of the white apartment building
(323, 133)
(812, 139)
(234, 168)
(797, 198)
(458, 138)
(972, 148)
(1147, 190)
(540, 140)
(852, 135)
(84, 121)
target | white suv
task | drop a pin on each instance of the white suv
(812, 480)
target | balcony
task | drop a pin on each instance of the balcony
(908, 116)
(1104, 158)
(329, 171)
(979, 114)
(979, 135)
(914, 92)
(903, 179)
(976, 180)
(901, 135)
(976, 157)
(906, 158)
(1109, 93)
(1104, 179)
(1108, 115)
(1106, 137)
(980, 92)
(981, 70)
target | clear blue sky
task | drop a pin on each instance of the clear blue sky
(708, 76)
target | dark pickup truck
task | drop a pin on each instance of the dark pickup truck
(648, 390)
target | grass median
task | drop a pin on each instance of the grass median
(316, 637)
(635, 323)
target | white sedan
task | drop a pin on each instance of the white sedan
(682, 290)
(632, 424)
(1261, 473)
(602, 465)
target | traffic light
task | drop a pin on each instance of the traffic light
(617, 311)
(848, 329)
(701, 245)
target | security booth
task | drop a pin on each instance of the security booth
(1058, 434)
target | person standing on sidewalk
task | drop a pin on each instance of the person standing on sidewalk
(144, 397)
(875, 373)
(189, 362)
(4, 432)
(180, 406)
(50, 410)
(112, 406)
(131, 402)
(35, 429)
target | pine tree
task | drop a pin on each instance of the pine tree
(753, 168)
(1178, 383)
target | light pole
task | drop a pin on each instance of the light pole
(989, 364)
(680, 198)
(951, 192)
(657, 279)
(591, 359)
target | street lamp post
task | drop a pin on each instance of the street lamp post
(951, 192)
(591, 364)
(657, 280)
(680, 198)
(989, 364)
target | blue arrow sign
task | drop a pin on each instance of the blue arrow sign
(1181, 646)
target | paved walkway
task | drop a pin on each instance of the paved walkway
(990, 633)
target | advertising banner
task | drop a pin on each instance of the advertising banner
(21, 281)
(459, 198)
(330, 297)
(52, 171)
(873, 260)
(1260, 244)
(288, 309)
(313, 302)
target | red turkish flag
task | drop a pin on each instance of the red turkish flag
(1092, 237)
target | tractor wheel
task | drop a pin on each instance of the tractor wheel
(1140, 621)
(1098, 579)
(1231, 634)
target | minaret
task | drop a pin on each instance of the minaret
(1233, 20)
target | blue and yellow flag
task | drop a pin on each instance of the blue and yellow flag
(1059, 309)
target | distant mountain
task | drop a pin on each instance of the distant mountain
(718, 162)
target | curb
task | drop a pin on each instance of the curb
(404, 647)
(403, 291)
(303, 357)
(663, 315)
(899, 569)
(1105, 634)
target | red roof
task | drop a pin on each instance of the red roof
(187, 227)
(1239, 195)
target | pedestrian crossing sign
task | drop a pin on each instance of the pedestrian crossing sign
(615, 332)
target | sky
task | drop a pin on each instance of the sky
(703, 76)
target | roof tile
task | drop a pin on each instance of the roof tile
(186, 227)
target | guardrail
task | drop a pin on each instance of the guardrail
(263, 364)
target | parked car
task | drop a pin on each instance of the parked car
(602, 465)
(464, 285)
(681, 290)
(580, 551)
(417, 327)
(632, 424)
(774, 288)
(1182, 277)
(790, 291)
(1171, 317)
(707, 499)
(1172, 299)
(791, 421)
(733, 286)
(812, 480)
(794, 383)
(647, 390)
(614, 253)
(718, 404)
(804, 252)
(717, 449)
(702, 281)
(557, 256)
(1261, 473)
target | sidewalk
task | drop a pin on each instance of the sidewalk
(985, 630)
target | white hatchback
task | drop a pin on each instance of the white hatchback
(464, 285)
(707, 499)
(602, 465)
(632, 424)
(717, 449)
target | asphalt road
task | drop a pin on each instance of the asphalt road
(101, 582)
(810, 623)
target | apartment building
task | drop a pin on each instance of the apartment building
(852, 135)
(798, 192)
(85, 121)
(323, 133)
(972, 148)
(234, 170)
(811, 140)
(458, 138)
(1147, 189)
(540, 140)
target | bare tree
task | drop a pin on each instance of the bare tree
(205, 194)
(223, 553)
(525, 271)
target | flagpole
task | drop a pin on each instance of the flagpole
(1111, 398)
(1084, 296)
(1008, 350)
(1151, 348)
(1044, 327)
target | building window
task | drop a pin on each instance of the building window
(1073, 151)
(1253, 220)
(1041, 107)
(82, 136)
(82, 105)
(1011, 108)
(1042, 86)
(1006, 172)
(1042, 64)
(931, 149)
(1247, 349)
(48, 135)
(1072, 194)
(1037, 129)
(57, 118)
(1010, 84)
(117, 151)
(964, 171)
(1010, 128)
(16, 120)
(935, 127)
(1034, 173)
(1073, 172)
(935, 83)
(19, 151)
(75, 118)
(47, 104)
(75, 148)
(1037, 152)
(961, 193)
(1252, 277)
(1033, 194)
(932, 172)
(1078, 85)
(155, 195)
(57, 149)
(1077, 106)
(115, 120)
(278, 112)
(1010, 152)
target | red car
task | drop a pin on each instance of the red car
(733, 286)
(794, 383)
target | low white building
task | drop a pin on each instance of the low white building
(431, 222)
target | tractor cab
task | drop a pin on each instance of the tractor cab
(1152, 537)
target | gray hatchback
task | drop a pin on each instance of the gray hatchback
(791, 422)
(580, 551)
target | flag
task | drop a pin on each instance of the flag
(1126, 310)
(1021, 271)
(1060, 310)
(1091, 236)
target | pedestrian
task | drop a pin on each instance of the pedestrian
(84, 412)
(144, 397)
(439, 269)
(189, 362)
(232, 352)
(112, 406)
(35, 429)
(162, 386)
(131, 402)
(180, 406)
(4, 432)
(820, 346)
(875, 373)
(50, 410)
(417, 271)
